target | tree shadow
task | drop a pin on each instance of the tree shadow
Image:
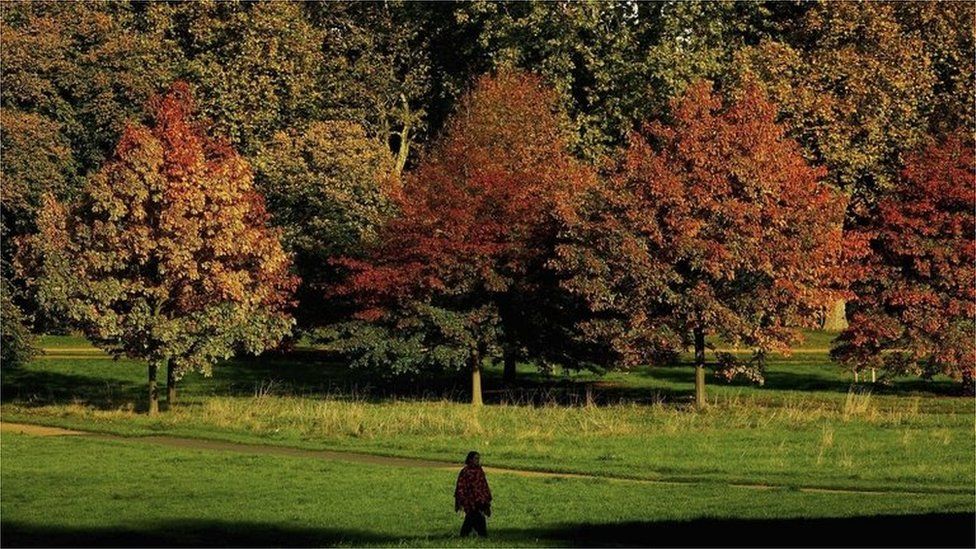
(43, 387)
(554, 391)
(796, 381)
(297, 373)
(780, 379)
(922, 530)
(919, 530)
(315, 373)
(184, 533)
(307, 373)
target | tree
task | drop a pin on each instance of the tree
(377, 69)
(713, 224)
(695, 40)
(73, 73)
(946, 31)
(915, 305)
(854, 87)
(37, 159)
(166, 257)
(613, 64)
(87, 67)
(437, 288)
(329, 188)
(256, 67)
(587, 52)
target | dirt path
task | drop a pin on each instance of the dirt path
(56, 350)
(373, 459)
(37, 430)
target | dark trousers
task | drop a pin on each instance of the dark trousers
(476, 520)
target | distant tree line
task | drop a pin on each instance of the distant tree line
(429, 186)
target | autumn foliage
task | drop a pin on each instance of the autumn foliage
(167, 255)
(329, 188)
(853, 83)
(713, 224)
(418, 219)
(915, 306)
(475, 222)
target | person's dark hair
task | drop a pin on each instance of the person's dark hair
(467, 460)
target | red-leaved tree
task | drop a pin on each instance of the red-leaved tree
(442, 287)
(167, 255)
(915, 301)
(714, 224)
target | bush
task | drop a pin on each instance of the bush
(16, 340)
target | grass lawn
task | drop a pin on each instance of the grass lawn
(807, 427)
(83, 491)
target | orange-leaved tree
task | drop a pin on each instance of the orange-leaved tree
(447, 283)
(167, 255)
(713, 224)
(914, 309)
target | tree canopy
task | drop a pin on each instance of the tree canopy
(854, 87)
(425, 161)
(166, 256)
(721, 228)
(913, 269)
(329, 188)
(475, 222)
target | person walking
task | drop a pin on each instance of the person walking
(473, 496)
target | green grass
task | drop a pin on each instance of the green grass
(804, 428)
(809, 426)
(62, 342)
(81, 491)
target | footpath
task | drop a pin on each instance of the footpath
(373, 459)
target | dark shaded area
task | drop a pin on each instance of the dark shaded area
(813, 380)
(35, 387)
(308, 373)
(314, 373)
(927, 530)
(183, 533)
(797, 381)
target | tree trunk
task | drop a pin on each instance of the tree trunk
(171, 383)
(874, 378)
(153, 393)
(836, 318)
(509, 374)
(403, 151)
(476, 379)
(699, 368)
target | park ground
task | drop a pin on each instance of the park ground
(281, 450)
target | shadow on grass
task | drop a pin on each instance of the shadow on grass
(183, 533)
(32, 387)
(927, 530)
(103, 383)
(313, 373)
(805, 378)
(538, 390)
